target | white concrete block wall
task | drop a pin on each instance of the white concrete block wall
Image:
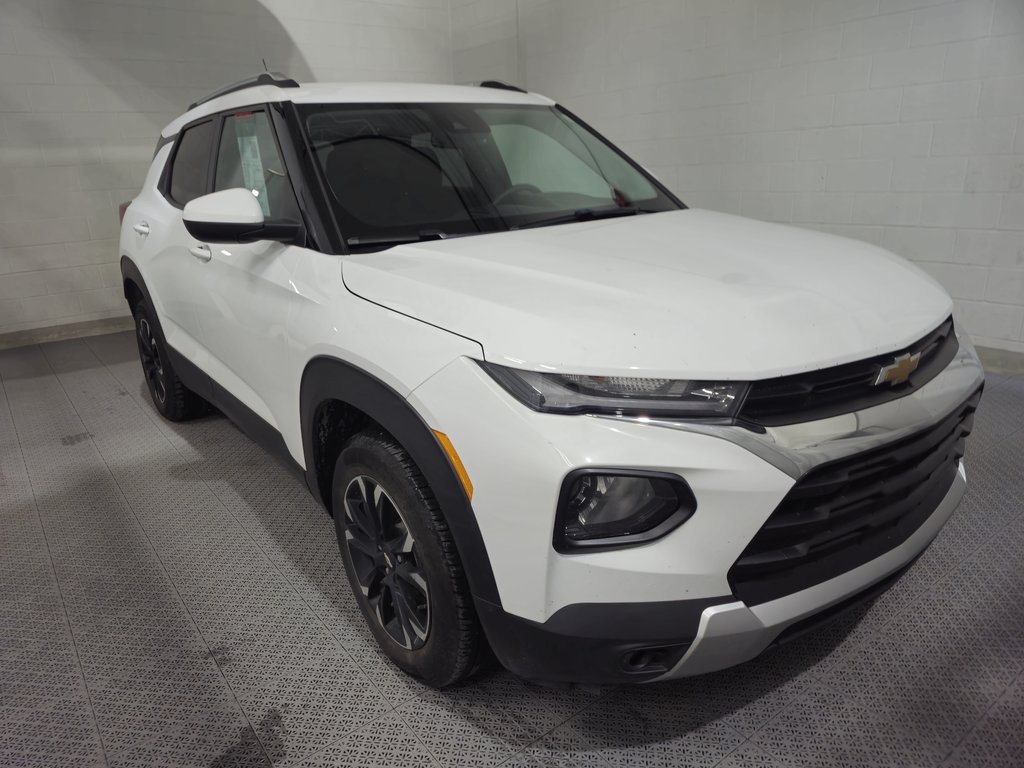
(86, 85)
(484, 40)
(899, 122)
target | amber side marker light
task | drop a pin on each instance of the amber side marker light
(457, 465)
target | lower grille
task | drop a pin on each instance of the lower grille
(847, 512)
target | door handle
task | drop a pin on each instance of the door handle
(201, 252)
(142, 228)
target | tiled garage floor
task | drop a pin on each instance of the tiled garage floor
(170, 595)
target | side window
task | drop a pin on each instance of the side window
(190, 164)
(248, 158)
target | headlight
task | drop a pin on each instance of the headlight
(611, 508)
(569, 393)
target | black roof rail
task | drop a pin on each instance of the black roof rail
(264, 78)
(502, 86)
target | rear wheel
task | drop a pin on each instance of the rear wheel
(171, 397)
(402, 563)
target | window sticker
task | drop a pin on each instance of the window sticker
(252, 162)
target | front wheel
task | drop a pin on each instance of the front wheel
(402, 563)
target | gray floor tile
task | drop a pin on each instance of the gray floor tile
(173, 596)
(631, 736)
(381, 744)
(561, 748)
(749, 755)
(479, 724)
(997, 740)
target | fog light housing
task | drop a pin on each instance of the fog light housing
(616, 508)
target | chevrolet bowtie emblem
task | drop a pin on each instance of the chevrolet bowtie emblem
(899, 370)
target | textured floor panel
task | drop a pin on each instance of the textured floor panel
(998, 739)
(121, 605)
(629, 736)
(274, 654)
(383, 743)
(173, 596)
(479, 724)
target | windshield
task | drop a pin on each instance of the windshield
(406, 172)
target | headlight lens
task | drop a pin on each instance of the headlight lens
(570, 393)
(616, 508)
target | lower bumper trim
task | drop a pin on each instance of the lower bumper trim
(596, 643)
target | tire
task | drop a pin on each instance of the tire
(406, 575)
(172, 398)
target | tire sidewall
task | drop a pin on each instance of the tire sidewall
(142, 312)
(359, 458)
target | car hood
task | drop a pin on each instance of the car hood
(686, 294)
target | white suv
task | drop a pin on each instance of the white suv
(555, 414)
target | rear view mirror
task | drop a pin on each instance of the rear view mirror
(234, 216)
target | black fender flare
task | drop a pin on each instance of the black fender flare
(131, 272)
(328, 378)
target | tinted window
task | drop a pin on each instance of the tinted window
(535, 159)
(404, 172)
(188, 171)
(248, 158)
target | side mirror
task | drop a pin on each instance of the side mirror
(234, 216)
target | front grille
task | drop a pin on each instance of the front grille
(845, 388)
(845, 513)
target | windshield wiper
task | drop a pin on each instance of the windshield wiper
(586, 214)
(386, 240)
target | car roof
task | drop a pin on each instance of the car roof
(356, 93)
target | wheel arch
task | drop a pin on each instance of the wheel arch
(134, 286)
(337, 400)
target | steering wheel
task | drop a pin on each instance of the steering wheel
(514, 189)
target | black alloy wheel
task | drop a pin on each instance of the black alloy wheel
(152, 359)
(385, 561)
(171, 397)
(402, 563)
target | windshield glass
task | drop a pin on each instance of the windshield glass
(407, 172)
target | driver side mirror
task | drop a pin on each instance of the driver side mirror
(234, 216)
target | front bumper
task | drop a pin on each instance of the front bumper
(578, 616)
(733, 633)
(644, 642)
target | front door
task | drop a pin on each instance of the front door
(247, 293)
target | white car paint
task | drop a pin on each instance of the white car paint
(517, 463)
(225, 206)
(686, 294)
(245, 317)
(689, 294)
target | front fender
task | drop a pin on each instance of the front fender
(327, 378)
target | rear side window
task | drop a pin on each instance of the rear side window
(247, 157)
(190, 164)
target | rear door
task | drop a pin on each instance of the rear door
(165, 244)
